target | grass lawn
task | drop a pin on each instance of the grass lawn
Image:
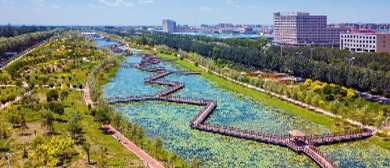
(183, 63)
(97, 137)
(167, 56)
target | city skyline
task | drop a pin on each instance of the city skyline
(128, 12)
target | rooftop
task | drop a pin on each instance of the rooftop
(296, 133)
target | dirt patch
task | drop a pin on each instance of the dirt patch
(26, 136)
(42, 97)
(81, 163)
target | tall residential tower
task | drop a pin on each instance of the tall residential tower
(169, 26)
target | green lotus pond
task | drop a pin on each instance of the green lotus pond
(171, 122)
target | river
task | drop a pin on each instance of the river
(170, 121)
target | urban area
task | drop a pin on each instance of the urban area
(302, 91)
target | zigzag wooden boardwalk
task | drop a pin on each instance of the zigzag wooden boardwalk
(305, 144)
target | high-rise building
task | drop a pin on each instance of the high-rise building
(365, 41)
(169, 26)
(300, 29)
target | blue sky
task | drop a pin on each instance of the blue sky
(192, 12)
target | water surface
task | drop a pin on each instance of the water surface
(170, 121)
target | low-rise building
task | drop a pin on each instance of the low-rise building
(247, 30)
(364, 41)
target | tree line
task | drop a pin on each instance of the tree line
(19, 43)
(373, 61)
(339, 72)
(11, 31)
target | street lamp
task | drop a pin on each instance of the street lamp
(281, 50)
(299, 53)
(350, 60)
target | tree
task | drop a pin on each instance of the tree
(158, 143)
(117, 119)
(364, 115)
(134, 132)
(47, 118)
(315, 101)
(350, 93)
(64, 93)
(379, 119)
(74, 122)
(4, 78)
(102, 157)
(14, 118)
(3, 130)
(53, 152)
(140, 135)
(57, 108)
(335, 107)
(173, 158)
(102, 116)
(195, 163)
(87, 148)
(44, 79)
(52, 95)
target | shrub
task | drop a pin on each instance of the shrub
(51, 85)
(57, 108)
(52, 95)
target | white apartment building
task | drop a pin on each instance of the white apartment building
(300, 29)
(169, 26)
(365, 42)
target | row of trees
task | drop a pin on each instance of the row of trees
(374, 61)
(19, 43)
(11, 31)
(303, 66)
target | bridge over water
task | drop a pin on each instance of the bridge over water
(295, 140)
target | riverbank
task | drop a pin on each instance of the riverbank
(329, 120)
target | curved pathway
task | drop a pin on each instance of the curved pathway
(150, 162)
(304, 144)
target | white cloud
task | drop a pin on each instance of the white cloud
(253, 7)
(55, 7)
(37, 1)
(94, 6)
(229, 1)
(207, 8)
(116, 3)
(239, 6)
(146, 1)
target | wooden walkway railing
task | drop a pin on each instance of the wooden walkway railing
(198, 122)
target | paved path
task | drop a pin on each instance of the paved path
(129, 145)
(87, 96)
